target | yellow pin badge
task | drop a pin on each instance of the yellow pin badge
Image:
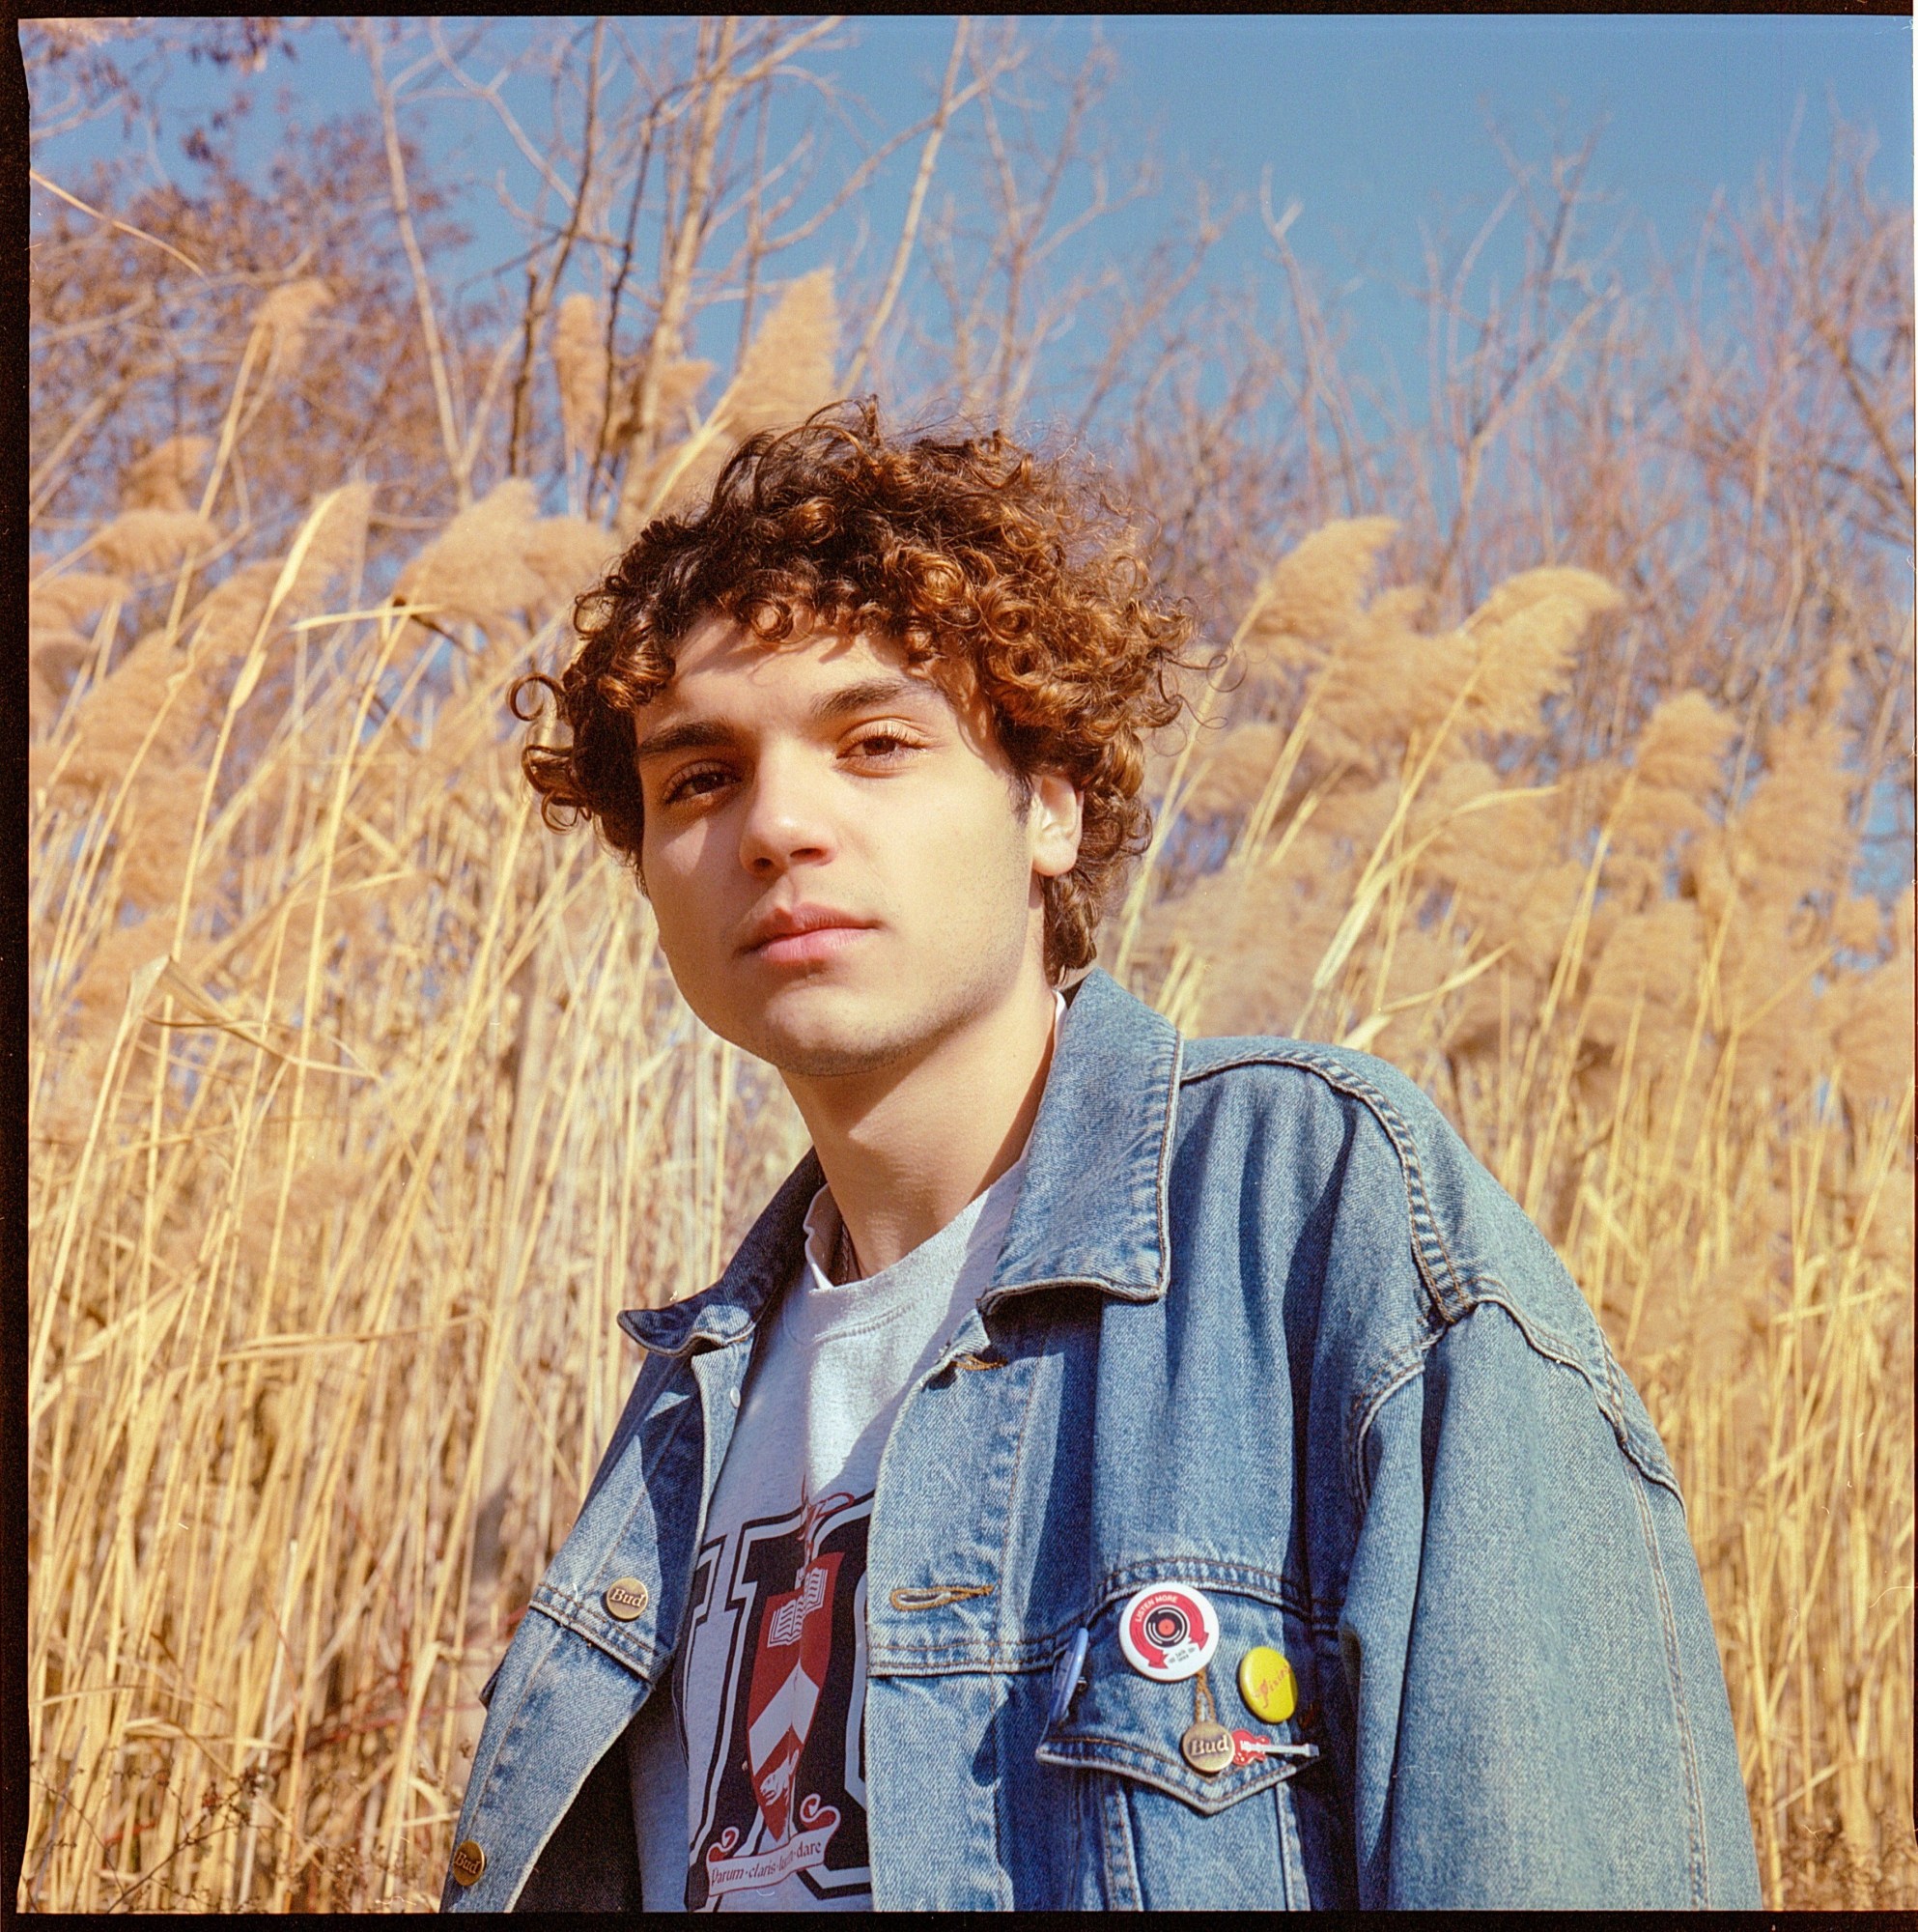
(1267, 1684)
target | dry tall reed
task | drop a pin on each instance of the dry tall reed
(351, 1183)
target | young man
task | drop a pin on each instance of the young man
(1115, 1469)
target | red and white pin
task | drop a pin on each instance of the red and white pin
(1168, 1632)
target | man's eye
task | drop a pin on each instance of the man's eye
(683, 786)
(890, 744)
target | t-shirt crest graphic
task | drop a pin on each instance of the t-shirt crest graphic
(788, 1675)
(786, 1791)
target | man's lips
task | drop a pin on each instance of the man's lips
(795, 933)
(799, 949)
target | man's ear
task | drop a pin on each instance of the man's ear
(1054, 823)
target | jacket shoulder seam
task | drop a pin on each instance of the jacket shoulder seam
(1403, 1366)
(1455, 1292)
(1408, 1365)
(1437, 1271)
(1543, 1339)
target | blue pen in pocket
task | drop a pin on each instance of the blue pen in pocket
(1068, 1675)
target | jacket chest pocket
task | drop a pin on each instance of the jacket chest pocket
(1154, 1832)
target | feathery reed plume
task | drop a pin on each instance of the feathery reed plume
(785, 374)
(58, 650)
(1386, 685)
(568, 554)
(1235, 772)
(157, 836)
(1261, 932)
(58, 603)
(152, 543)
(284, 318)
(1778, 1037)
(335, 549)
(1315, 591)
(55, 658)
(580, 368)
(1857, 924)
(153, 689)
(1793, 835)
(1868, 1016)
(167, 476)
(475, 570)
(1356, 813)
(1480, 850)
(101, 990)
(580, 374)
(170, 692)
(222, 626)
(1678, 768)
(1525, 633)
(680, 384)
(1647, 977)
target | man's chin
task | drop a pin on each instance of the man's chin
(820, 1029)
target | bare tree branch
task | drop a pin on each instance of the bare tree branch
(442, 389)
(909, 228)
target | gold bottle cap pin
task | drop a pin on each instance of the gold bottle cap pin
(1268, 1685)
(468, 1862)
(626, 1599)
(1207, 1746)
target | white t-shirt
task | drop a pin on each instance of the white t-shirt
(769, 1686)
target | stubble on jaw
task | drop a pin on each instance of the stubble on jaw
(858, 1027)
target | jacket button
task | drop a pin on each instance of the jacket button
(626, 1599)
(468, 1862)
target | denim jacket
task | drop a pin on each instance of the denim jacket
(1263, 1324)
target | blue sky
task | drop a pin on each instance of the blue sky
(1374, 125)
(1371, 121)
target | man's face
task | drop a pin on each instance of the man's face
(823, 777)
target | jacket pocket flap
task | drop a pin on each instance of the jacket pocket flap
(1123, 1721)
(1149, 1764)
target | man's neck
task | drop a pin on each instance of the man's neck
(903, 1158)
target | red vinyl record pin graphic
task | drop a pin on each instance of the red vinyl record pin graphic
(1168, 1632)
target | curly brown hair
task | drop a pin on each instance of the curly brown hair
(981, 561)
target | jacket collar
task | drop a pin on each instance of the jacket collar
(1092, 1210)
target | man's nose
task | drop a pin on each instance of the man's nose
(787, 820)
